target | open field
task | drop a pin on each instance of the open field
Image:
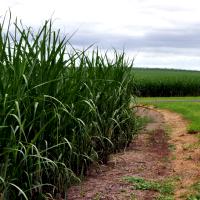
(186, 106)
(166, 82)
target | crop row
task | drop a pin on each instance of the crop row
(166, 83)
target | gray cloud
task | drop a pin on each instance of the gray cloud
(164, 40)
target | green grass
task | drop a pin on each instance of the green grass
(196, 192)
(153, 99)
(165, 187)
(61, 109)
(166, 82)
(189, 110)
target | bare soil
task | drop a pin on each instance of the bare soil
(149, 156)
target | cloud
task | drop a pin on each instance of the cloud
(165, 40)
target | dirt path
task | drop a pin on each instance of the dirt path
(151, 156)
(185, 158)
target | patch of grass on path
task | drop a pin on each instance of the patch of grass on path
(165, 187)
(189, 110)
(196, 192)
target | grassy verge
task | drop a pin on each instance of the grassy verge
(60, 110)
(189, 110)
(153, 99)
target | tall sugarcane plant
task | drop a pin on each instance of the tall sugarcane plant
(61, 109)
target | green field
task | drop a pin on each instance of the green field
(189, 110)
(176, 90)
(166, 82)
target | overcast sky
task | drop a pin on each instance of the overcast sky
(157, 33)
